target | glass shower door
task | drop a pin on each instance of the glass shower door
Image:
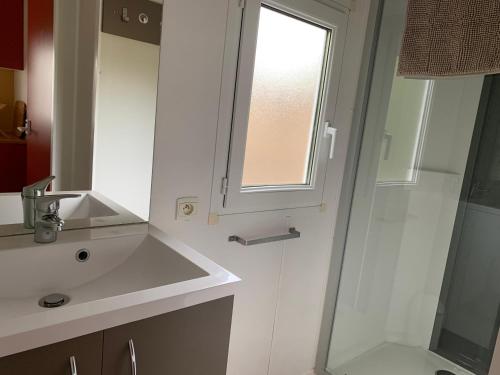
(413, 163)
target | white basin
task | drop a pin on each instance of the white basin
(123, 271)
(86, 206)
(116, 266)
(89, 210)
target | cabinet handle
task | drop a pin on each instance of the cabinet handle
(133, 362)
(72, 362)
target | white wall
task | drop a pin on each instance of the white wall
(76, 28)
(125, 121)
(277, 312)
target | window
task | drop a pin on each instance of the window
(285, 102)
(286, 65)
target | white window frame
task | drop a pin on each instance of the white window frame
(237, 78)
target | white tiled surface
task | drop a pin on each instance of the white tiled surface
(395, 359)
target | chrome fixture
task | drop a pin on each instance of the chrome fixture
(82, 255)
(24, 130)
(292, 233)
(53, 300)
(41, 212)
(133, 360)
(47, 220)
(72, 362)
(29, 194)
(143, 18)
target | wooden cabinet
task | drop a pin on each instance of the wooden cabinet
(191, 341)
(12, 34)
(55, 359)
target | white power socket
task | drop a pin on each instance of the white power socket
(187, 207)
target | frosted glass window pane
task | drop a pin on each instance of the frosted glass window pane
(286, 88)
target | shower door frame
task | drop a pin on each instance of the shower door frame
(348, 184)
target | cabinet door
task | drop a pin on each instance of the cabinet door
(55, 359)
(191, 341)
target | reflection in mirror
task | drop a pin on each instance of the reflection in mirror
(78, 101)
(405, 125)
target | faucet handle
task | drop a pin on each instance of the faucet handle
(50, 203)
(38, 188)
(50, 221)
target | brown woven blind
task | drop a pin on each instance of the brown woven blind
(451, 38)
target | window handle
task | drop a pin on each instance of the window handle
(331, 132)
(388, 145)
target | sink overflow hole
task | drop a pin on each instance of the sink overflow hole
(82, 255)
(53, 300)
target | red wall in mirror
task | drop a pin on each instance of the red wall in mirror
(40, 88)
(11, 34)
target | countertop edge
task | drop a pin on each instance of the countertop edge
(79, 327)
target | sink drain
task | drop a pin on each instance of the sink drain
(82, 255)
(53, 300)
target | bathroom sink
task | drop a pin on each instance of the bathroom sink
(86, 206)
(91, 209)
(100, 272)
(113, 267)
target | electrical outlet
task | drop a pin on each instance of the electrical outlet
(187, 207)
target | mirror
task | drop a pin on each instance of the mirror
(78, 90)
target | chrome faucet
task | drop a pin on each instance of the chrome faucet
(41, 212)
(29, 195)
(47, 220)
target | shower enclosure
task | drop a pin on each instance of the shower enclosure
(467, 319)
(418, 290)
